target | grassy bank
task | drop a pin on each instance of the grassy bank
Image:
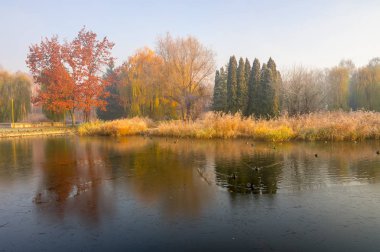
(323, 126)
(39, 131)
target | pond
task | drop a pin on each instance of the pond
(139, 194)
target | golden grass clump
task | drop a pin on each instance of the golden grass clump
(122, 127)
(220, 125)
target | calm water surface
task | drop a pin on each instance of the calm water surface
(103, 194)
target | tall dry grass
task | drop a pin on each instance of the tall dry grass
(122, 127)
(330, 126)
(321, 126)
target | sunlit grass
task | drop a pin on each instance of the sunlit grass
(326, 126)
(122, 127)
(322, 126)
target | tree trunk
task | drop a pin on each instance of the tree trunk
(72, 115)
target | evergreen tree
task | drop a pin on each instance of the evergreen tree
(247, 71)
(265, 93)
(220, 91)
(276, 79)
(232, 85)
(253, 84)
(114, 109)
(242, 88)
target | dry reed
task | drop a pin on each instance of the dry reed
(321, 126)
(122, 127)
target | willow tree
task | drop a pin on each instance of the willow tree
(339, 81)
(365, 87)
(143, 88)
(187, 67)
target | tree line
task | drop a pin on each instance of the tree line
(174, 81)
(261, 91)
(252, 90)
(171, 82)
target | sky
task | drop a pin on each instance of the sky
(293, 32)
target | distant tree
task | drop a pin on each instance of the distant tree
(187, 66)
(232, 85)
(365, 86)
(303, 91)
(220, 91)
(253, 85)
(114, 109)
(339, 81)
(17, 87)
(242, 87)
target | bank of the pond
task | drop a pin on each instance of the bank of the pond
(38, 131)
(322, 126)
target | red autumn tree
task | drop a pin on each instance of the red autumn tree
(87, 57)
(56, 89)
(69, 75)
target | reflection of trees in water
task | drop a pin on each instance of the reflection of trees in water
(159, 175)
(15, 154)
(336, 163)
(171, 174)
(72, 181)
(74, 172)
(256, 173)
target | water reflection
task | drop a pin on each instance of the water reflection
(72, 181)
(84, 177)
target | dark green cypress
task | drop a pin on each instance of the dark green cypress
(275, 99)
(114, 109)
(242, 88)
(247, 72)
(232, 85)
(265, 93)
(253, 84)
(220, 91)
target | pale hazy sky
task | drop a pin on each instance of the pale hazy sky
(312, 33)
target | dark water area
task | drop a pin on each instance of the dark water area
(141, 194)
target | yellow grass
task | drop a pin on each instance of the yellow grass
(122, 127)
(326, 126)
(322, 126)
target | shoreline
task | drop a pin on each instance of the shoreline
(38, 131)
(335, 126)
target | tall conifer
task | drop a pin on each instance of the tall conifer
(220, 91)
(232, 85)
(253, 85)
(242, 88)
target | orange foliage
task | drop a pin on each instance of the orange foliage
(69, 74)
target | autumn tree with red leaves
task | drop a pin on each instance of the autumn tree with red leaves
(69, 75)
